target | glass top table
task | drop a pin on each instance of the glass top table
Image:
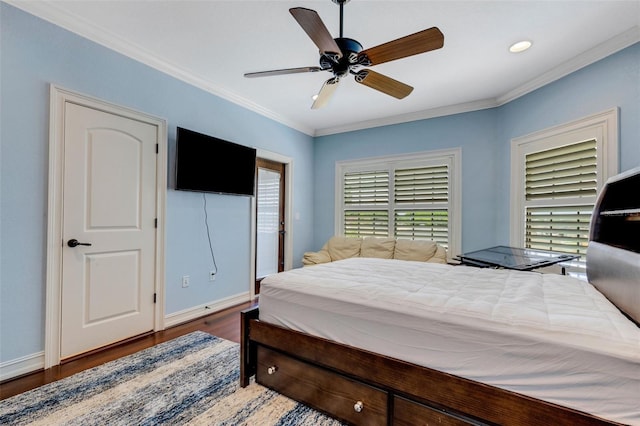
(522, 259)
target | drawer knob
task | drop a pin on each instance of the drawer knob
(358, 406)
(272, 370)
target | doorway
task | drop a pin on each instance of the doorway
(105, 251)
(270, 219)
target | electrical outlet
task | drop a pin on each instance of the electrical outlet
(185, 281)
(212, 275)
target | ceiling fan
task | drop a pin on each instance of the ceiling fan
(344, 56)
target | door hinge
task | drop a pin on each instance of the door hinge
(155, 297)
(157, 148)
(155, 222)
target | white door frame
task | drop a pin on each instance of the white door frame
(58, 97)
(288, 218)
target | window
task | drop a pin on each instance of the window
(415, 197)
(559, 174)
(556, 176)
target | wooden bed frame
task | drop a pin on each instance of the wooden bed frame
(364, 388)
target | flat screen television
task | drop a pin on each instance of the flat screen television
(207, 164)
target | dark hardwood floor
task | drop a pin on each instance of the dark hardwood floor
(224, 324)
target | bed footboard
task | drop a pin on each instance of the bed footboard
(361, 387)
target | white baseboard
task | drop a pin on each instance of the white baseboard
(33, 362)
(208, 308)
(22, 365)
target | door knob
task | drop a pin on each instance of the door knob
(74, 243)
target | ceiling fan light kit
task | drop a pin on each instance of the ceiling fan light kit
(520, 46)
(342, 56)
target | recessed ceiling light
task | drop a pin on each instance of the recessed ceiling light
(314, 97)
(520, 46)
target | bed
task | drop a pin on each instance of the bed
(383, 341)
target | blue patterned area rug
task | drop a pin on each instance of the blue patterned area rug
(191, 380)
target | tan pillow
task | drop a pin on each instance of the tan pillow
(377, 247)
(343, 247)
(315, 257)
(440, 255)
(420, 250)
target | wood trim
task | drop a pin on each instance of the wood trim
(603, 127)
(277, 167)
(205, 309)
(224, 324)
(450, 156)
(58, 97)
(97, 351)
(288, 206)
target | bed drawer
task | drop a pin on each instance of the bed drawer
(324, 390)
(411, 413)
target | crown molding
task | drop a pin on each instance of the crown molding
(601, 51)
(580, 61)
(414, 116)
(52, 13)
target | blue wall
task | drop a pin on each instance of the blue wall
(611, 82)
(485, 139)
(36, 54)
(475, 132)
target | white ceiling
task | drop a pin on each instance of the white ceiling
(212, 43)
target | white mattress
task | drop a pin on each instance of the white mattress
(548, 336)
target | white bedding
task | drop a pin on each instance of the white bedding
(548, 336)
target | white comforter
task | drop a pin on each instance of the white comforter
(548, 336)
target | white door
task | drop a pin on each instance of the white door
(109, 205)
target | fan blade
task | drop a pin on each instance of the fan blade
(326, 93)
(311, 23)
(414, 44)
(383, 83)
(283, 71)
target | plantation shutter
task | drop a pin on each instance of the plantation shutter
(421, 199)
(366, 201)
(560, 192)
(410, 196)
(564, 229)
(568, 171)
